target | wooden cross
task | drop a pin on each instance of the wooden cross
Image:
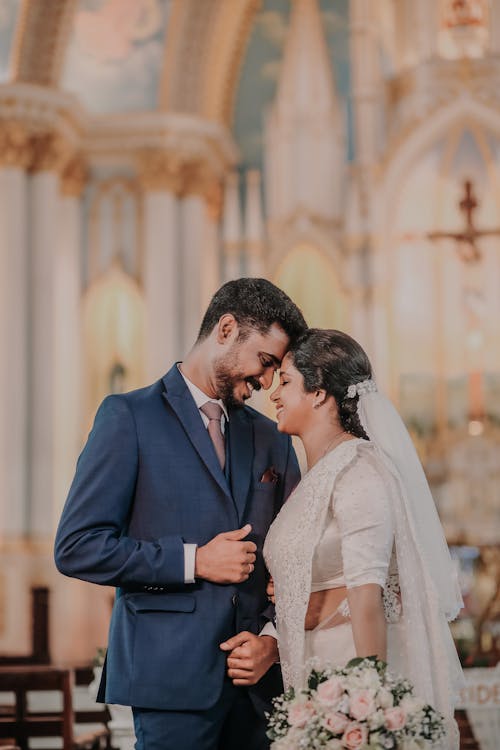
(467, 239)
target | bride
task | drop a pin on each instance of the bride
(358, 559)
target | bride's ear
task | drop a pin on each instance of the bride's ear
(320, 398)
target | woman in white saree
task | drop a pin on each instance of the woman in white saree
(357, 555)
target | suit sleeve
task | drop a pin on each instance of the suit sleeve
(90, 542)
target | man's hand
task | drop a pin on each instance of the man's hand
(249, 657)
(226, 558)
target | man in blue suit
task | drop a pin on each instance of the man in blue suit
(173, 495)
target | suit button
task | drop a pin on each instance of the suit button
(234, 599)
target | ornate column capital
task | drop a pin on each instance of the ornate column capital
(74, 176)
(51, 152)
(15, 144)
(181, 174)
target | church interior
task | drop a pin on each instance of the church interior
(347, 150)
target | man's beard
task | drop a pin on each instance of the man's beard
(227, 376)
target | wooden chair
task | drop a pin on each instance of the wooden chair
(467, 739)
(21, 721)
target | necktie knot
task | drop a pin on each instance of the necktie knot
(212, 410)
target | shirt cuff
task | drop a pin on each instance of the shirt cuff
(189, 562)
(269, 629)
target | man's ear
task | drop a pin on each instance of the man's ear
(227, 328)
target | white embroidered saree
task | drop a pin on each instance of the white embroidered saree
(425, 652)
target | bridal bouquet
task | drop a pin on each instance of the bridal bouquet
(360, 706)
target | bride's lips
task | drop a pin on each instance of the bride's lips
(278, 411)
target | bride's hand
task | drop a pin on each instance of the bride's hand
(270, 591)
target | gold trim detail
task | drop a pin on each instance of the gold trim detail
(15, 145)
(40, 40)
(74, 177)
(51, 152)
(181, 175)
(226, 56)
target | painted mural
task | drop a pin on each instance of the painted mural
(262, 64)
(114, 57)
(9, 11)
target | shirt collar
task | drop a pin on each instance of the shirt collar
(200, 397)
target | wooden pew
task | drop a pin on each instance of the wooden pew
(21, 721)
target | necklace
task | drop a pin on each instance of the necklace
(342, 434)
(333, 442)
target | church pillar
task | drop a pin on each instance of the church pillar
(14, 158)
(45, 216)
(192, 243)
(68, 334)
(231, 228)
(495, 28)
(212, 261)
(366, 85)
(161, 264)
(254, 225)
(200, 210)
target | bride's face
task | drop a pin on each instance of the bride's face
(293, 404)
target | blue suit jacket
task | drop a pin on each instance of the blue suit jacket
(148, 481)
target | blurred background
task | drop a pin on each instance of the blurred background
(348, 150)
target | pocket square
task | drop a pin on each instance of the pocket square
(270, 475)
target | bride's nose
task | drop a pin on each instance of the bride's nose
(274, 394)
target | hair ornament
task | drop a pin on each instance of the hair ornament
(359, 389)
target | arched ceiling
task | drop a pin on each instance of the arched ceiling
(217, 60)
(121, 56)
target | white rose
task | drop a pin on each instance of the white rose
(376, 720)
(411, 705)
(385, 698)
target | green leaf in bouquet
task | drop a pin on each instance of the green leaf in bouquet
(378, 663)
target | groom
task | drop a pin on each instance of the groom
(173, 495)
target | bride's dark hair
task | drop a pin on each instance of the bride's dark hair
(332, 361)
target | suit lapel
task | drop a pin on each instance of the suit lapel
(177, 394)
(241, 452)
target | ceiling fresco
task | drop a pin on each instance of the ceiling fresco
(115, 54)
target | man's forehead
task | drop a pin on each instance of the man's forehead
(274, 342)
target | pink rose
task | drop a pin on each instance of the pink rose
(361, 704)
(395, 718)
(335, 722)
(300, 713)
(329, 691)
(354, 735)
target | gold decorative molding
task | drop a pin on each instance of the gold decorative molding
(51, 152)
(15, 144)
(205, 47)
(190, 33)
(74, 177)
(40, 41)
(227, 51)
(182, 175)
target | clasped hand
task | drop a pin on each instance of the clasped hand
(226, 558)
(249, 656)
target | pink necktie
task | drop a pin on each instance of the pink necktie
(214, 413)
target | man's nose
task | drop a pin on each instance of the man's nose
(266, 379)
